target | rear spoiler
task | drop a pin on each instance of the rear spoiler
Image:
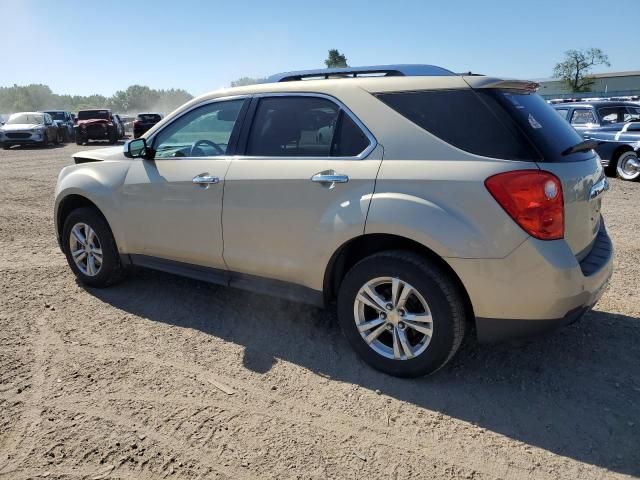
(486, 82)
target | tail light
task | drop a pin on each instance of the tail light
(533, 198)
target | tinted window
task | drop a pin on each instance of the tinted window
(549, 133)
(507, 124)
(349, 140)
(303, 127)
(582, 117)
(470, 121)
(148, 117)
(91, 114)
(203, 132)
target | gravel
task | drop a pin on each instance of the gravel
(129, 382)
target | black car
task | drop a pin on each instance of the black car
(65, 123)
(143, 122)
(616, 128)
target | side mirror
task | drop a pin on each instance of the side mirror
(137, 148)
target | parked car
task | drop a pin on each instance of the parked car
(64, 121)
(119, 125)
(498, 225)
(616, 127)
(96, 125)
(143, 122)
(29, 128)
(127, 121)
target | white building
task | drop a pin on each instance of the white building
(612, 84)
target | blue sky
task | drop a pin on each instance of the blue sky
(84, 47)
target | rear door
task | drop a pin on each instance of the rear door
(172, 205)
(301, 188)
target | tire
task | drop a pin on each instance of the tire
(6, 147)
(625, 166)
(434, 286)
(45, 141)
(58, 138)
(80, 140)
(66, 138)
(110, 269)
(113, 137)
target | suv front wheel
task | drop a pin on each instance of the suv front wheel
(402, 314)
(90, 248)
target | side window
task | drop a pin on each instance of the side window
(203, 132)
(582, 117)
(473, 122)
(299, 126)
(562, 112)
(349, 140)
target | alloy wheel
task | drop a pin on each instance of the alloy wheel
(393, 318)
(85, 249)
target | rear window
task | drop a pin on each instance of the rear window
(149, 117)
(91, 114)
(505, 124)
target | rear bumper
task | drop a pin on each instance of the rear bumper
(538, 287)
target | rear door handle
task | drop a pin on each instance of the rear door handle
(329, 178)
(205, 179)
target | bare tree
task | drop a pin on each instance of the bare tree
(574, 69)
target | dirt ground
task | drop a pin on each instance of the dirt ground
(166, 377)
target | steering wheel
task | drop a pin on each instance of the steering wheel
(214, 145)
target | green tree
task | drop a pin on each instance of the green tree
(335, 59)
(243, 81)
(574, 69)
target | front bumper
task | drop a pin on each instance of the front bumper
(25, 138)
(537, 288)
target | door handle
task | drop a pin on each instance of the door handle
(205, 179)
(329, 178)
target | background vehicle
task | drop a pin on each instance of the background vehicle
(96, 125)
(616, 126)
(65, 124)
(29, 128)
(412, 241)
(120, 126)
(143, 122)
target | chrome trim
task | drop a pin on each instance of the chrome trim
(205, 179)
(373, 143)
(599, 188)
(329, 178)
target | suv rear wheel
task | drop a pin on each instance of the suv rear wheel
(90, 248)
(403, 315)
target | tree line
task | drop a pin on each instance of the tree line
(136, 98)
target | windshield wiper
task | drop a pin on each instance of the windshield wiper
(583, 146)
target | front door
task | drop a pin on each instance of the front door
(172, 205)
(300, 190)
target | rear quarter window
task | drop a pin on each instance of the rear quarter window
(465, 120)
(497, 123)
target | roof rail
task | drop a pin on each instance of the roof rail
(408, 70)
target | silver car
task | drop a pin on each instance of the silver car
(416, 201)
(29, 128)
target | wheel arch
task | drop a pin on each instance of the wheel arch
(70, 203)
(354, 250)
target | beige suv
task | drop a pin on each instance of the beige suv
(416, 200)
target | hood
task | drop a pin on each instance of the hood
(21, 126)
(92, 121)
(101, 155)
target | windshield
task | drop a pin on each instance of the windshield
(25, 118)
(57, 115)
(551, 134)
(91, 114)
